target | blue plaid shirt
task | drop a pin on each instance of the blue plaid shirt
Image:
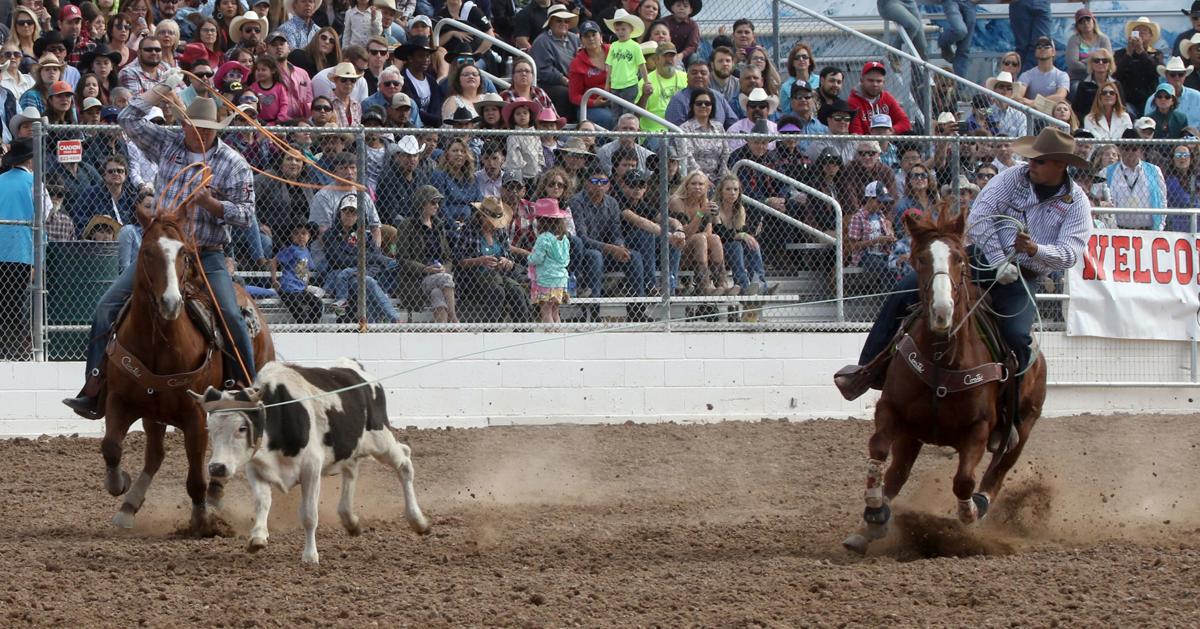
(232, 180)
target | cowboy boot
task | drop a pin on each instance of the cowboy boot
(89, 404)
(704, 283)
(724, 284)
(854, 380)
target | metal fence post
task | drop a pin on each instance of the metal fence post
(775, 29)
(38, 292)
(361, 155)
(664, 246)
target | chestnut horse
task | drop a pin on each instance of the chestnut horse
(942, 387)
(157, 337)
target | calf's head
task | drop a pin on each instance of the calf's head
(235, 428)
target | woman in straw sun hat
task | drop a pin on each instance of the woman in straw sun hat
(1137, 61)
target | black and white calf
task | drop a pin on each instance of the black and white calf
(291, 429)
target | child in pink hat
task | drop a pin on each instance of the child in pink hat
(548, 260)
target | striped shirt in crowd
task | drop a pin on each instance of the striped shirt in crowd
(1060, 225)
(232, 180)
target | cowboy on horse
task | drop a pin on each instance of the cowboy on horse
(1056, 218)
(228, 199)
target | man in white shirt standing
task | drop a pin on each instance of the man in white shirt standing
(1134, 182)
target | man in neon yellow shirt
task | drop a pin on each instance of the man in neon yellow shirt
(666, 81)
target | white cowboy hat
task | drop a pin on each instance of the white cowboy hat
(759, 95)
(28, 114)
(1175, 64)
(490, 98)
(383, 4)
(560, 11)
(235, 27)
(1155, 29)
(649, 48)
(1006, 77)
(1186, 45)
(623, 16)
(346, 70)
(287, 5)
(409, 146)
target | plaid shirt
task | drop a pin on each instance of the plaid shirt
(137, 80)
(860, 229)
(232, 180)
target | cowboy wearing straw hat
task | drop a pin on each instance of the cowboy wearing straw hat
(228, 199)
(1057, 222)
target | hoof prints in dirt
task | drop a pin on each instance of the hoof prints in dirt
(925, 536)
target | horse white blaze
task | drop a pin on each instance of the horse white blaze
(942, 309)
(172, 300)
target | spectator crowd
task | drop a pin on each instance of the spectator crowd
(453, 219)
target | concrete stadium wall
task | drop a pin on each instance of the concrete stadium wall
(598, 378)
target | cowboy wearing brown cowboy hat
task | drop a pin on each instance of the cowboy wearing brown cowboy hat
(227, 200)
(1056, 215)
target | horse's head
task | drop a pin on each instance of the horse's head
(165, 262)
(940, 259)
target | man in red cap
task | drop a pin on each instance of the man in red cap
(870, 99)
(70, 24)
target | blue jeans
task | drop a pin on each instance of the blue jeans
(249, 242)
(628, 93)
(602, 116)
(745, 263)
(379, 306)
(959, 30)
(647, 245)
(587, 265)
(213, 263)
(1030, 19)
(634, 270)
(907, 15)
(1010, 301)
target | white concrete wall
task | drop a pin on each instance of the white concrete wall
(510, 379)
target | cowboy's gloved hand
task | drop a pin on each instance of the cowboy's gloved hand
(173, 78)
(1008, 274)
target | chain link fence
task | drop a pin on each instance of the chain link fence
(776, 232)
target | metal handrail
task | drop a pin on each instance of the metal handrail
(811, 191)
(497, 81)
(496, 42)
(925, 64)
(645, 113)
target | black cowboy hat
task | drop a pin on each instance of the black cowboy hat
(836, 107)
(699, 4)
(19, 152)
(101, 50)
(49, 38)
(414, 44)
(458, 48)
(1195, 10)
(462, 114)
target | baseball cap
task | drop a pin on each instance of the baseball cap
(873, 65)
(109, 113)
(69, 12)
(589, 27)
(276, 34)
(61, 87)
(511, 176)
(879, 121)
(876, 190)
(400, 99)
(666, 48)
(420, 19)
(1044, 41)
(1145, 122)
(90, 102)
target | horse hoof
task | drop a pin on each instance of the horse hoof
(354, 529)
(982, 503)
(310, 560)
(421, 525)
(968, 511)
(123, 520)
(856, 543)
(256, 544)
(120, 486)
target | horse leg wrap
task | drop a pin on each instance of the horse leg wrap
(981, 504)
(877, 515)
(874, 494)
(967, 511)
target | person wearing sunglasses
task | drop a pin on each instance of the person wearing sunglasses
(1044, 79)
(148, 70)
(1187, 100)
(1169, 122)
(1086, 40)
(598, 224)
(1135, 182)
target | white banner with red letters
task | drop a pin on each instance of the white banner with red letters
(1134, 284)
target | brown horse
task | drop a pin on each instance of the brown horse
(157, 337)
(943, 388)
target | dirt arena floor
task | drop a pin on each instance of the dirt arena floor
(733, 524)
